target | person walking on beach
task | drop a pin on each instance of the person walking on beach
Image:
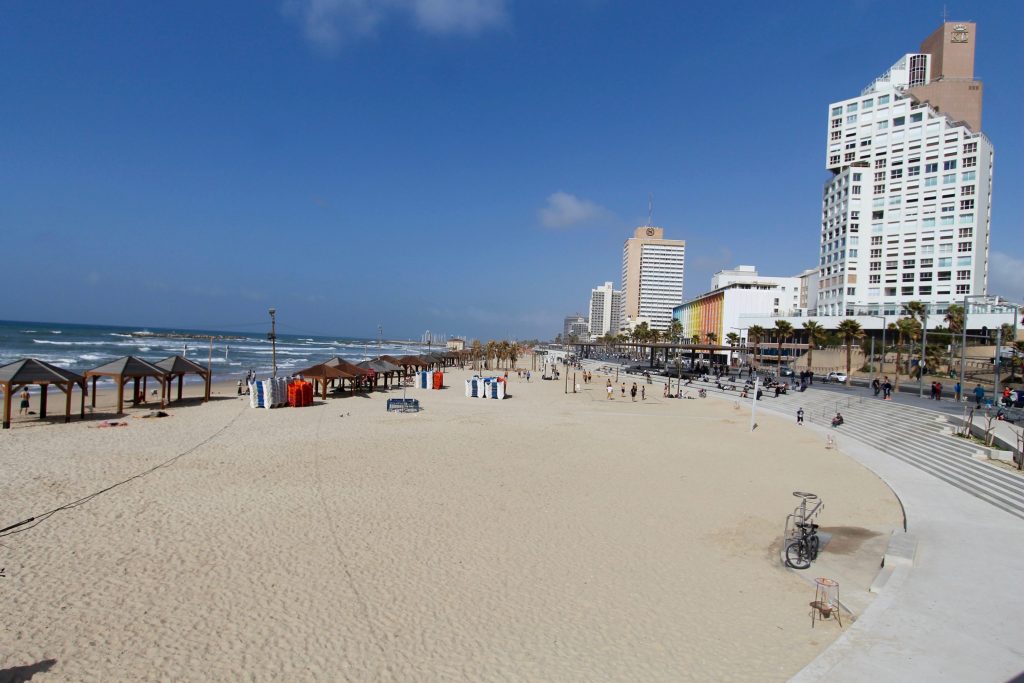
(643, 393)
(800, 416)
(609, 389)
(623, 390)
(23, 408)
(632, 392)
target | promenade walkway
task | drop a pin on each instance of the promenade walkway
(952, 603)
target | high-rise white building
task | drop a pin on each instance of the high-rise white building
(605, 304)
(906, 213)
(652, 277)
(575, 325)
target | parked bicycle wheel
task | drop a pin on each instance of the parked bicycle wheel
(813, 544)
(796, 555)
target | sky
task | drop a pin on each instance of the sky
(469, 167)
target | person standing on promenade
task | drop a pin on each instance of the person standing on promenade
(886, 389)
(23, 408)
(623, 390)
(956, 392)
(938, 391)
(643, 393)
(876, 385)
(800, 416)
(609, 389)
(979, 395)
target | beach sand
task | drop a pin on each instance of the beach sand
(547, 537)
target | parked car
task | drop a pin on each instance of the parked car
(835, 377)
(786, 371)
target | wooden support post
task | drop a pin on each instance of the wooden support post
(7, 406)
(120, 395)
(135, 391)
(181, 380)
(144, 388)
(67, 402)
(43, 391)
(81, 411)
(94, 378)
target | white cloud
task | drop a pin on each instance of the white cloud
(563, 210)
(329, 24)
(1004, 276)
(458, 16)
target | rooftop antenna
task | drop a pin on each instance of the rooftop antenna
(650, 208)
(945, 14)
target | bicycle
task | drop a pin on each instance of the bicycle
(803, 550)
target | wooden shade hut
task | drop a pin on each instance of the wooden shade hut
(26, 371)
(135, 369)
(322, 373)
(412, 362)
(381, 367)
(358, 374)
(178, 367)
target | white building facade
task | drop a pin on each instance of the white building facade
(906, 215)
(605, 306)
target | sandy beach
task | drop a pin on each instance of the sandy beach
(547, 537)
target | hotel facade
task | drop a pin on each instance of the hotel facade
(652, 278)
(906, 213)
(605, 307)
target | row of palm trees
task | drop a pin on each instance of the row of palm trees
(503, 351)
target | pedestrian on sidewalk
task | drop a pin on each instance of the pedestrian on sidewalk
(979, 395)
(876, 385)
(886, 389)
(938, 391)
(609, 389)
(800, 416)
(643, 393)
(956, 392)
(632, 392)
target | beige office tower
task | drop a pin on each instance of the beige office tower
(951, 88)
(652, 277)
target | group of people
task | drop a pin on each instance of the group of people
(632, 391)
(883, 387)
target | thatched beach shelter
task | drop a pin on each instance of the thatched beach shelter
(26, 371)
(135, 369)
(322, 373)
(178, 367)
(358, 374)
(382, 368)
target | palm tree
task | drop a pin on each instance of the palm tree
(815, 333)
(917, 310)
(851, 330)
(754, 335)
(503, 347)
(733, 340)
(477, 351)
(782, 330)
(955, 319)
(490, 349)
(675, 330)
(513, 354)
(712, 337)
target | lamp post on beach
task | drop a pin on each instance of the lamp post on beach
(273, 340)
(380, 339)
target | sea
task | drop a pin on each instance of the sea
(232, 355)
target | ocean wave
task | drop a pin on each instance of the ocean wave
(68, 343)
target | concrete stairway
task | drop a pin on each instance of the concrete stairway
(917, 436)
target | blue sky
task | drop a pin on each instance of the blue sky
(465, 166)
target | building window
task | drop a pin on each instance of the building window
(851, 107)
(909, 263)
(890, 291)
(878, 189)
(833, 160)
(866, 104)
(970, 162)
(966, 190)
(883, 99)
(851, 291)
(925, 291)
(931, 182)
(850, 156)
(927, 262)
(908, 277)
(837, 123)
(964, 247)
(966, 218)
(880, 177)
(875, 265)
(931, 168)
(963, 260)
(882, 125)
(896, 173)
(834, 135)
(945, 275)
(899, 121)
(915, 118)
(891, 265)
(963, 289)
(852, 118)
(968, 176)
(970, 147)
(926, 277)
(949, 165)
(856, 177)
(874, 279)
(967, 205)
(963, 275)
(945, 262)
(913, 171)
(879, 163)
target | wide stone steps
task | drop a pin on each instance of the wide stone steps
(911, 434)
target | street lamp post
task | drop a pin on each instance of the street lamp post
(963, 341)
(924, 352)
(273, 339)
(743, 340)
(380, 340)
(882, 317)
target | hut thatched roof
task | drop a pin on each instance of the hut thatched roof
(379, 365)
(128, 366)
(177, 365)
(324, 371)
(351, 368)
(32, 371)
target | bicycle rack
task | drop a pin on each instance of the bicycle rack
(801, 514)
